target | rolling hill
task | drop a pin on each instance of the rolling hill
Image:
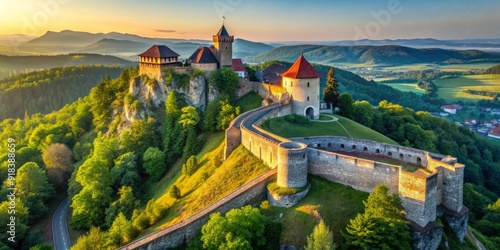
(376, 55)
(126, 46)
(493, 70)
(30, 63)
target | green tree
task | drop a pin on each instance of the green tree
(21, 222)
(125, 172)
(173, 139)
(330, 92)
(121, 232)
(90, 202)
(210, 115)
(321, 238)
(189, 117)
(190, 166)
(94, 239)
(382, 225)
(227, 114)
(57, 159)
(33, 188)
(154, 163)
(175, 192)
(363, 113)
(124, 205)
(225, 81)
(140, 136)
(240, 229)
(346, 105)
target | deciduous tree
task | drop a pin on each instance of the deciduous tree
(239, 229)
(154, 163)
(57, 159)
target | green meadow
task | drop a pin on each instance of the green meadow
(451, 89)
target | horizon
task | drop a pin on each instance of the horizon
(296, 21)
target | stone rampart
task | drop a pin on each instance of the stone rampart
(250, 193)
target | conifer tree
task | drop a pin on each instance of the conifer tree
(330, 92)
(321, 238)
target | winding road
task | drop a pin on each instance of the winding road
(60, 228)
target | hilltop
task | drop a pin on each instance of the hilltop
(127, 46)
(375, 55)
(493, 70)
(30, 63)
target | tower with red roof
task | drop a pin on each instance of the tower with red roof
(301, 80)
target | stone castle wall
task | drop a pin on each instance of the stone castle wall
(250, 193)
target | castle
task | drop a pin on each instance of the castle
(434, 189)
(154, 61)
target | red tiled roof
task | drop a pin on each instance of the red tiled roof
(159, 51)
(203, 55)
(448, 107)
(301, 69)
(238, 66)
(495, 131)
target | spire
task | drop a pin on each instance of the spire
(223, 31)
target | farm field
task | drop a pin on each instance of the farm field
(406, 87)
(451, 89)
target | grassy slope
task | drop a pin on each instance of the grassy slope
(451, 89)
(249, 101)
(280, 127)
(204, 187)
(333, 202)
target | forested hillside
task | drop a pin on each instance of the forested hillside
(493, 70)
(388, 55)
(49, 90)
(361, 89)
(19, 64)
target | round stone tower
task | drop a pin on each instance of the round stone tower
(292, 164)
(302, 82)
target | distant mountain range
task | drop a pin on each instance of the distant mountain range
(467, 44)
(390, 52)
(126, 46)
(378, 55)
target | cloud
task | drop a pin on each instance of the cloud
(165, 31)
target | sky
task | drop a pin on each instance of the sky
(258, 20)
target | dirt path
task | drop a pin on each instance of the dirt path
(476, 242)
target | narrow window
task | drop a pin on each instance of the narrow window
(308, 84)
(353, 147)
(419, 161)
(401, 156)
(365, 149)
(342, 146)
(291, 84)
(329, 145)
(377, 151)
(389, 154)
(308, 98)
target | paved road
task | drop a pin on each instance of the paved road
(60, 228)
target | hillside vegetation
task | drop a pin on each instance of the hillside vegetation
(204, 187)
(386, 55)
(49, 90)
(19, 64)
(493, 70)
